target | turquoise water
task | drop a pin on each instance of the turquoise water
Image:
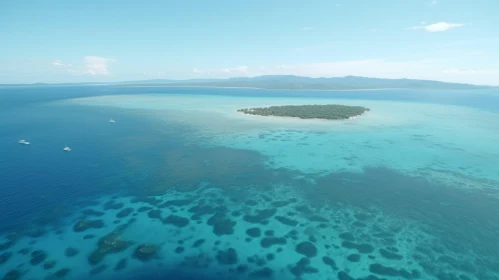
(184, 187)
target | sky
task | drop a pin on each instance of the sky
(59, 41)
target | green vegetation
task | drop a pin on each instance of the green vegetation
(329, 112)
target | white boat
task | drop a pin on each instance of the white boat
(24, 142)
(112, 121)
(67, 149)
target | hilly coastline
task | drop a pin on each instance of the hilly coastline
(288, 82)
(298, 82)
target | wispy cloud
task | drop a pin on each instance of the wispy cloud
(306, 28)
(94, 65)
(57, 63)
(436, 27)
(433, 3)
(239, 70)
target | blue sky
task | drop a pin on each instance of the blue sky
(94, 40)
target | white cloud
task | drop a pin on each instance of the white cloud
(57, 63)
(240, 70)
(437, 27)
(433, 3)
(306, 28)
(423, 22)
(337, 5)
(94, 65)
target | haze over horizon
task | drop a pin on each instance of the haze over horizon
(442, 40)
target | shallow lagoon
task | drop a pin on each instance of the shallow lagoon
(407, 191)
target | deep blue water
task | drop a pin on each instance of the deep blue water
(40, 185)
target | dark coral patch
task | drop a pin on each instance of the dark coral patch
(342, 275)
(144, 209)
(254, 232)
(390, 255)
(71, 252)
(236, 213)
(260, 217)
(4, 257)
(110, 243)
(286, 221)
(221, 224)
(179, 249)
(281, 203)
(12, 275)
(302, 267)
(307, 249)
(111, 205)
(6, 245)
(87, 224)
(353, 258)
(121, 264)
(262, 273)
(202, 209)
(62, 272)
(124, 213)
(271, 241)
(228, 257)
(270, 256)
(177, 221)
(242, 268)
(269, 233)
(37, 257)
(198, 243)
(154, 214)
(88, 236)
(362, 248)
(92, 212)
(379, 269)
(347, 236)
(49, 265)
(329, 262)
(145, 252)
(98, 269)
(24, 251)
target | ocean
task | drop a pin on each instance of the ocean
(182, 186)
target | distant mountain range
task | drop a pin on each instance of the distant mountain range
(296, 82)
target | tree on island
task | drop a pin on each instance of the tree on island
(329, 112)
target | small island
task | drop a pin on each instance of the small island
(328, 112)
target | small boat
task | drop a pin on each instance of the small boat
(111, 121)
(24, 142)
(67, 148)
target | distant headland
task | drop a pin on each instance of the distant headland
(327, 112)
(287, 82)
